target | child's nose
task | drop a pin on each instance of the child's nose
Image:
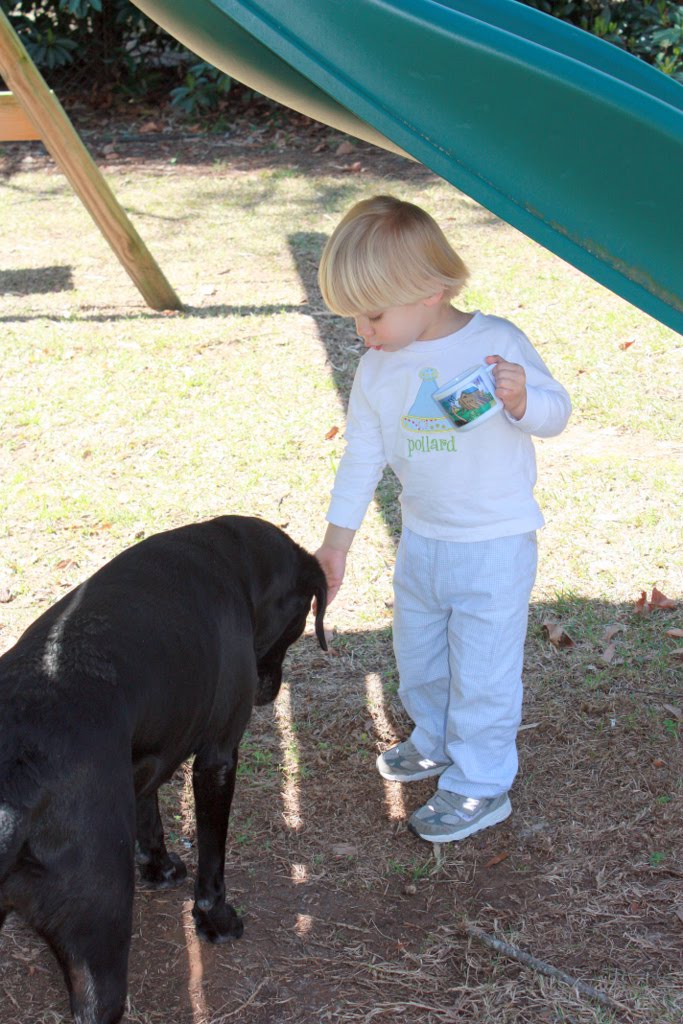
(364, 328)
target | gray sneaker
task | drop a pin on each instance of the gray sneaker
(448, 816)
(404, 763)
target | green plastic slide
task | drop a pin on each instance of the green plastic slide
(568, 138)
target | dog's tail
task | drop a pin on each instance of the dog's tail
(320, 606)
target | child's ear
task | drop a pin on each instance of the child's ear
(433, 300)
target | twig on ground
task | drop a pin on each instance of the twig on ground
(542, 967)
(381, 1008)
(438, 856)
(246, 1003)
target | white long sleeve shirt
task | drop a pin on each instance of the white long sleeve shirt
(455, 485)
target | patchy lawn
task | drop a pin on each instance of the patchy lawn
(117, 422)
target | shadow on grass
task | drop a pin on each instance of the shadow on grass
(189, 312)
(35, 281)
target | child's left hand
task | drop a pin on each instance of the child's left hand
(510, 381)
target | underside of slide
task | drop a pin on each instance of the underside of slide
(564, 136)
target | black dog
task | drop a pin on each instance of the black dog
(161, 654)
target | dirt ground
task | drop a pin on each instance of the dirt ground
(350, 918)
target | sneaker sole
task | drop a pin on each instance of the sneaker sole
(500, 814)
(428, 773)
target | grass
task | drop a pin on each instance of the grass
(117, 422)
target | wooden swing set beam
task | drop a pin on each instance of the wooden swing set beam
(32, 111)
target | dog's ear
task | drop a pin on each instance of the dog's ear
(314, 583)
(319, 607)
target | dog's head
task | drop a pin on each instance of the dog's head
(283, 620)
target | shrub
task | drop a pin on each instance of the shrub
(649, 29)
(86, 47)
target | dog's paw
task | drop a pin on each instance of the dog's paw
(220, 924)
(163, 874)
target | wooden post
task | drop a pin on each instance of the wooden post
(15, 126)
(57, 133)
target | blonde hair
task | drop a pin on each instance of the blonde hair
(386, 252)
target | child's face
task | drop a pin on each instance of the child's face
(393, 328)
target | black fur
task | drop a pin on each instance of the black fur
(161, 654)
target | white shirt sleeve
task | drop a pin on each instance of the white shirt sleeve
(548, 405)
(361, 464)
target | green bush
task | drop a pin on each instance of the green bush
(86, 47)
(202, 89)
(649, 29)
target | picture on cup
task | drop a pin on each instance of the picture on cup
(467, 405)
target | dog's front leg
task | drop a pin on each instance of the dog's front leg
(213, 780)
(158, 868)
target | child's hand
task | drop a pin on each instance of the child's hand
(510, 381)
(333, 564)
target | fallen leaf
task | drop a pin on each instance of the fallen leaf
(659, 600)
(676, 712)
(612, 630)
(332, 432)
(658, 763)
(641, 605)
(496, 859)
(678, 653)
(320, 147)
(674, 632)
(344, 148)
(557, 635)
(66, 563)
(608, 654)
(626, 344)
(356, 167)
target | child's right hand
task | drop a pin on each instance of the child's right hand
(332, 556)
(333, 564)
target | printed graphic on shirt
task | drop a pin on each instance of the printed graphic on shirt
(424, 418)
(424, 414)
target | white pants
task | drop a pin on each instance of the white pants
(460, 620)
